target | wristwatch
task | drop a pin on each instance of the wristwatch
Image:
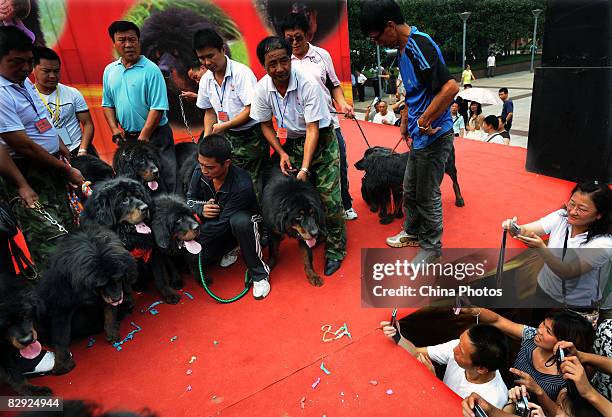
(305, 170)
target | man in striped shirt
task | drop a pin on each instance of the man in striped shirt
(430, 89)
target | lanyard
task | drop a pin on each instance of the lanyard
(55, 114)
(27, 97)
(279, 109)
(223, 85)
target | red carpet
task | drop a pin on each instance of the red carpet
(259, 358)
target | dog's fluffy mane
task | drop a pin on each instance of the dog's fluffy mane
(126, 155)
(284, 198)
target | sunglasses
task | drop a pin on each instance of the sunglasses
(296, 38)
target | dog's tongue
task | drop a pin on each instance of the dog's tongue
(143, 228)
(193, 247)
(31, 351)
(311, 242)
(153, 185)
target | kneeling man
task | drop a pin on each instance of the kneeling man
(223, 196)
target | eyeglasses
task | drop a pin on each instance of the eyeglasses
(572, 206)
(296, 38)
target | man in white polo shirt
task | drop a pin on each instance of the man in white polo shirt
(304, 123)
(472, 362)
(225, 94)
(65, 104)
(28, 135)
(317, 62)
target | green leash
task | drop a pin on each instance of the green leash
(247, 285)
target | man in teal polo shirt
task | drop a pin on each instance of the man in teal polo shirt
(135, 100)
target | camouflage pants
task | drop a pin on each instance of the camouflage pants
(251, 152)
(325, 168)
(41, 236)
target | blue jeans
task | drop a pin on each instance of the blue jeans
(422, 198)
(347, 201)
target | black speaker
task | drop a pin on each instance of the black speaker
(570, 128)
(578, 33)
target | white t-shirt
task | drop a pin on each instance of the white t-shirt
(362, 79)
(232, 96)
(318, 63)
(70, 103)
(304, 102)
(389, 117)
(495, 137)
(494, 391)
(580, 291)
(491, 61)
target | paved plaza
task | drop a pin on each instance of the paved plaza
(520, 87)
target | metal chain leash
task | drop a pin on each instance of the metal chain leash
(185, 119)
(45, 214)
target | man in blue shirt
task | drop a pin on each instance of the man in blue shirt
(430, 89)
(135, 99)
(29, 137)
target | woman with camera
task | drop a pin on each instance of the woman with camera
(584, 401)
(586, 224)
(536, 365)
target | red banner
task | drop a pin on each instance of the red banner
(78, 31)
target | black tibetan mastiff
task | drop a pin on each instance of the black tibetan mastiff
(382, 182)
(123, 205)
(139, 161)
(186, 163)
(294, 208)
(93, 168)
(88, 281)
(19, 309)
(174, 228)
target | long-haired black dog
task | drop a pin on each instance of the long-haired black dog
(174, 228)
(382, 182)
(123, 205)
(139, 161)
(294, 208)
(93, 168)
(89, 278)
(186, 163)
(19, 309)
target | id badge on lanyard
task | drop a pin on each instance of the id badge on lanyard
(43, 125)
(223, 116)
(281, 133)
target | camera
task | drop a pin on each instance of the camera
(479, 412)
(515, 229)
(521, 407)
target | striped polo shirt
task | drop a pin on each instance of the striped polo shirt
(551, 384)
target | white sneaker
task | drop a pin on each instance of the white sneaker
(230, 258)
(261, 289)
(45, 365)
(350, 214)
(402, 239)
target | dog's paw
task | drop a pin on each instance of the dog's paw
(315, 280)
(177, 284)
(386, 220)
(36, 390)
(459, 202)
(271, 263)
(113, 336)
(62, 367)
(172, 298)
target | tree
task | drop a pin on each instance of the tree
(493, 24)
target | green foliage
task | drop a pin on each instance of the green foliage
(226, 27)
(52, 19)
(493, 25)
